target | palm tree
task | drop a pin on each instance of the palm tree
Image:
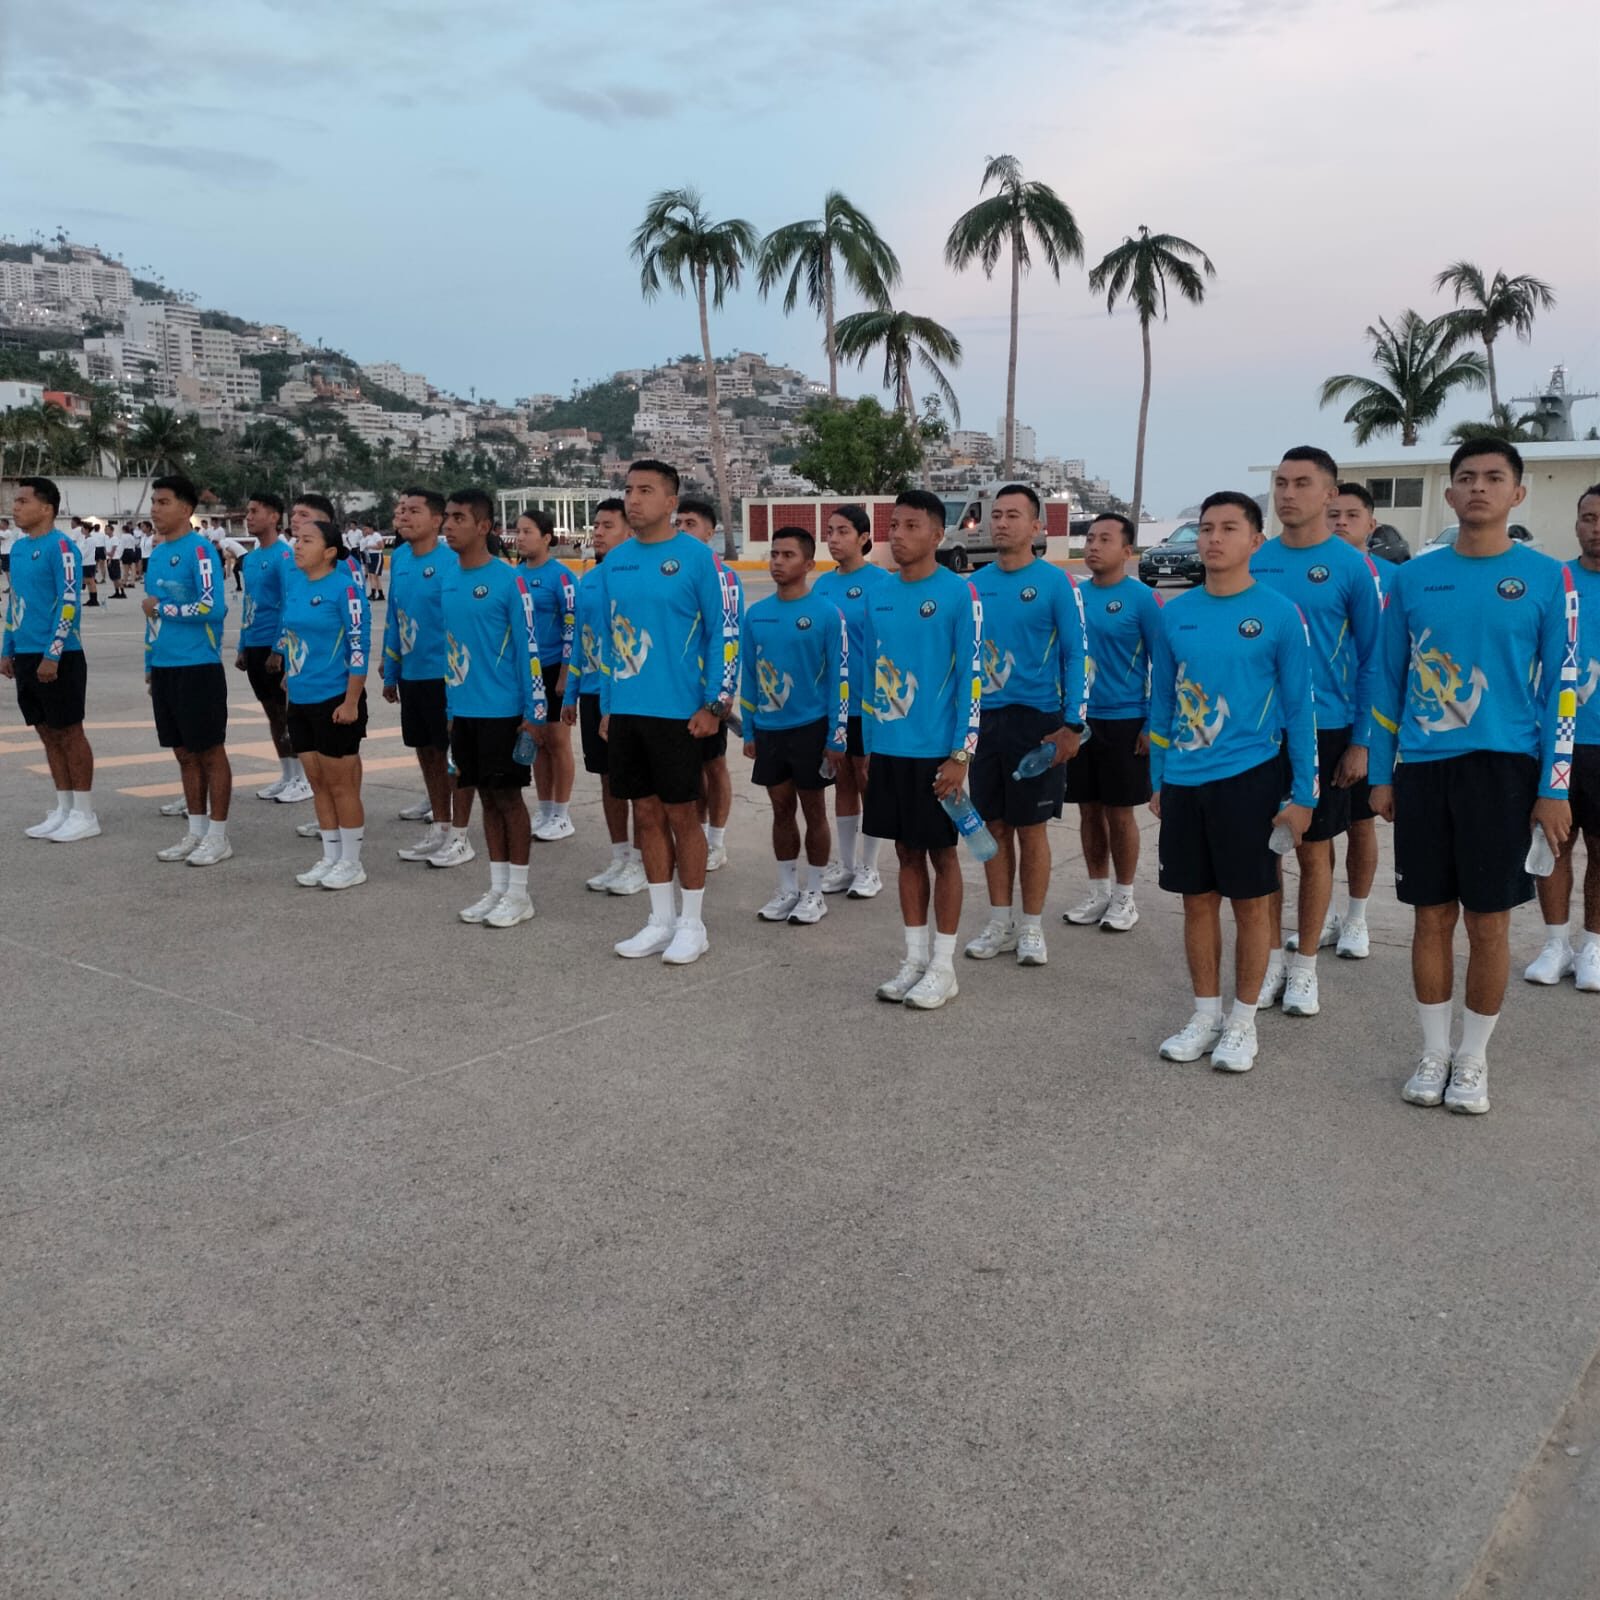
(677, 242)
(162, 441)
(1419, 371)
(1502, 425)
(1489, 307)
(906, 340)
(1140, 268)
(1007, 218)
(807, 250)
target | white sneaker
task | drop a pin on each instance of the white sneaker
(418, 811)
(1469, 1085)
(1088, 911)
(479, 910)
(1354, 941)
(866, 885)
(1325, 940)
(182, 850)
(1120, 917)
(1586, 969)
(175, 808)
(429, 844)
(1552, 963)
(602, 881)
(650, 940)
(631, 880)
(512, 909)
(837, 877)
(1235, 1051)
(307, 830)
(1272, 986)
(294, 791)
(933, 989)
(812, 908)
(716, 857)
(1030, 948)
(1425, 1086)
(314, 874)
(992, 939)
(43, 830)
(903, 982)
(777, 909)
(456, 852)
(1300, 998)
(210, 850)
(344, 875)
(554, 828)
(273, 789)
(1197, 1036)
(689, 943)
(79, 825)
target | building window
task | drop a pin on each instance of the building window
(1407, 493)
(1381, 490)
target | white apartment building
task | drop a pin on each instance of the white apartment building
(971, 443)
(1027, 441)
(412, 386)
(87, 281)
(296, 392)
(1075, 468)
(16, 396)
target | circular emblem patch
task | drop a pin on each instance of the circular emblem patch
(927, 608)
(669, 567)
(480, 591)
(802, 622)
(35, 555)
(1250, 628)
(1318, 574)
(1030, 593)
(172, 561)
(1114, 607)
(427, 572)
(853, 592)
(1511, 588)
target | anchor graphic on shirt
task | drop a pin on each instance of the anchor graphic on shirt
(996, 672)
(406, 627)
(1439, 688)
(249, 614)
(591, 650)
(1591, 681)
(774, 695)
(19, 609)
(1202, 726)
(457, 663)
(632, 646)
(1091, 670)
(898, 689)
(294, 654)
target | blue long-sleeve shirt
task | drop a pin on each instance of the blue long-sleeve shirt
(1586, 584)
(583, 676)
(848, 592)
(1122, 620)
(1033, 648)
(42, 616)
(413, 629)
(671, 641)
(1230, 682)
(326, 639)
(1337, 590)
(554, 608)
(1473, 651)
(796, 666)
(265, 573)
(492, 656)
(922, 639)
(184, 577)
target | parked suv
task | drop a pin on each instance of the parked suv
(1387, 543)
(1177, 556)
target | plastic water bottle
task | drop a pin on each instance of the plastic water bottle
(969, 825)
(524, 750)
(1042, 757)
(1282, 840)
(1541, 860)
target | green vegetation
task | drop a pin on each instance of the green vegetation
(1417, 373)
(605, 408)
(858, 449)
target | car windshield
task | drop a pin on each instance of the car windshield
(1187, 534)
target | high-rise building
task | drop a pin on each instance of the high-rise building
(1027, 442)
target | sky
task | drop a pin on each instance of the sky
(454, 186)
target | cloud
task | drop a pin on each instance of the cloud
(609, 106)
(197, 162)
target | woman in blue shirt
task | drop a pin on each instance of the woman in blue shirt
(555, 605)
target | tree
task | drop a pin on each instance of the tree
(807, 250)
(1004, 221)
(1489, 307)
(906, 339)
(1503, 425)
(931, 425)
(1418, 372)
(163, 441)
(677, 244)
(1140, 270)
(858, 449)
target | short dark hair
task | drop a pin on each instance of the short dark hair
(1593, 489)
(856, 516)
(265, 497)
(179, 487)
(477, 502)
(662, 469)
(801, 536)
(1316, 456)
(612, 504)
(46, 489)
(1359, 491)
(1130, 534)
(923, 500)
(331, 536)
(1507, 452)
(1240, 501)
(319, 503)
(540, 518)
(690, 507)
(434, 500)
(1030, 495)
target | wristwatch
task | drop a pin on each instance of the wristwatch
(720, 709)
(1074, 727)
(960, 757)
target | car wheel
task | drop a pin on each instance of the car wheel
(959, 561)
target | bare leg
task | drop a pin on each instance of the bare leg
(1000, 870)
(1252, 940)
(563, 769)
(1316, 890)
(819, 841)
(615, 811)
(688, 844)
(219, 780)
(192, 771)
(322, 795)
(947, 889)
(342, 775)
(461, 806)
(915, 891)
(1035, 846)
(1361, 858)
(785, 829)
(1433, 964)
(1094, 835)
(55, 754)
(719, 792)
(654, 839)
(1591, 883)
(1555, 892)
(1124, 830)
(1488, 960)
(436, 780)
(79, 759)
(1202, 943)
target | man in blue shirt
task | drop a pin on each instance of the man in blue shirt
(555, 598)
(263, 573)
(1230, 697)
(1336, 591)
(186, 604)
(1033, 661)
(496, 694)
(1476, 698)
(920, 713)
(796, 704)
(43, 653)
(669, 672)
(1558, 957)
(1110, 775)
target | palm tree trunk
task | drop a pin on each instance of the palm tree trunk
(1144, 417)
(719, 453)
(1494, 391)
(1011, 366)
(833, 354)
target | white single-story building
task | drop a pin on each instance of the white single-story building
(1409, 485)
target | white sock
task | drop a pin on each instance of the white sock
(330, 844)
(1475, 1031)
(1435, 1022)
(1300, 962)
(517, 878)
(619, 852)
(705, 828)
(789, 875)
(715, 836)
(814, 879)
(197, 823)
(1243, 1012)
(1100, 888)
(559, 809)
(1001, 914)
(1556, 930)
(499, 876)
(693, 905)
(662, 906)
(849, 830)
(634, 858)
(456, 833)
(541, 812)
(867, 853)
(1275, 956)
(917, 945)
(1588, 940)
(1356, 911)
(217, 830)
(296, 770)
(1034, 920)
(83, 800)
(350, 843)
(1121, 893)
(63, 801)
(286, 767)
(1208, 1005)
(944, 952)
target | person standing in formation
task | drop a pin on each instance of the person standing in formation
(555, 600)
(266, 570)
